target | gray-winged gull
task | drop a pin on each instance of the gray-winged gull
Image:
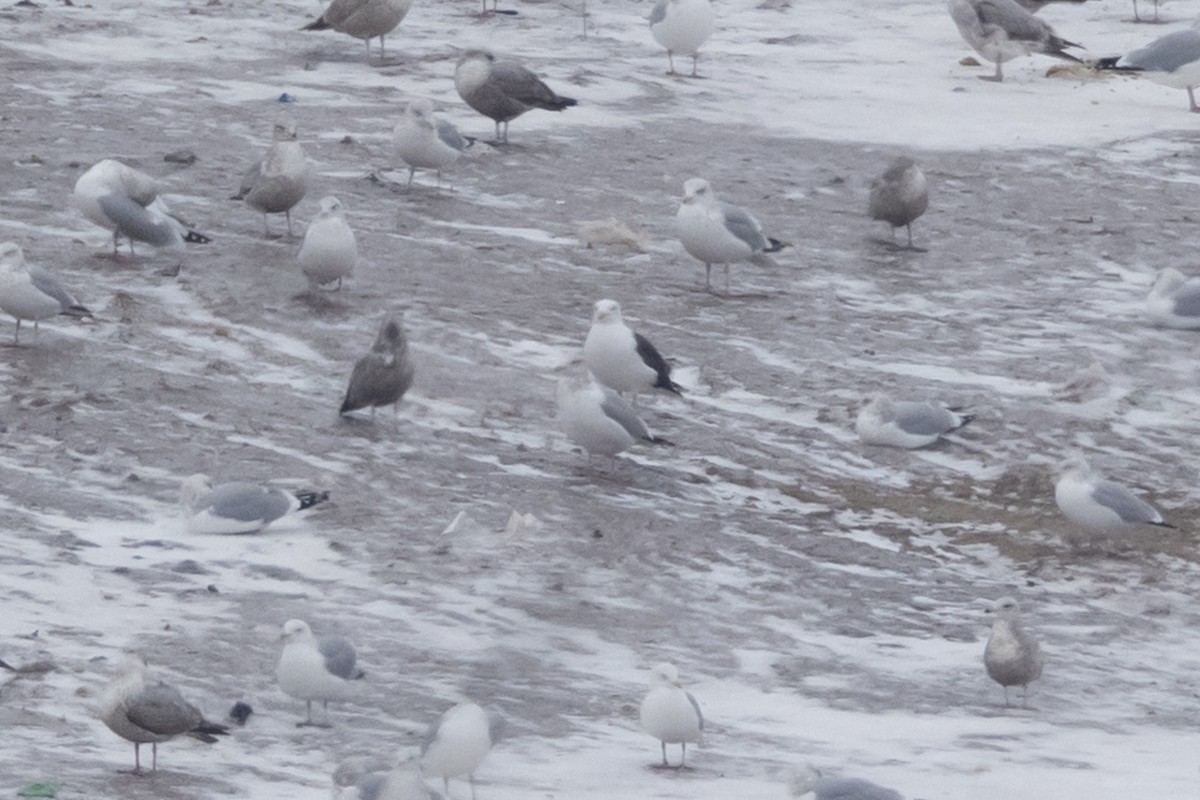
(362, 19)
(146, 712)
(239, 507)
(1012, 657)
(329, 251)
(806, 779)
(384, 374)
(905, 423)
(1097, 504)
(315, 669)
(29, 292)
(503, 90)
(1000, 30)
(899, 195)
(458, 742)
(669, 713)
(402, 783)
(1172, 60)
(681, 26)
(598, 419)
(279, 181)
(1175, 300)
(424, 141)
(622, 359)
(720, 233)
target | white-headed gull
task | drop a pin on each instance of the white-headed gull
(1172, 60)
(424, 141)
(905, 423)
(598, 419)
(362, 19)
(719, 233)
(503, 90)
(681, 26)
(29, 292)
(622, 359)
(1175, 300)
(1000, 30)
(329, 251)
(899, 195)
(1012, 657)
(315, 669)
(384, 374)
(458, 742)
(1097, 504)
(279, 181)
(669, 713)
(239, 507)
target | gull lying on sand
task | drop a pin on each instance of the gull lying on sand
(1012, 657)
(279, 181)
(29, 292)
(126, 202)
(905, 423)
(899, 196)
(1000, 30)
(1097, 504)
(806, 779)
(458, 742)
(503, 90)
(148, 713)
(620, 358)
(718, 233)
(681, 26)
(362, 19)
(329, 251)
(1172, 60)
(315, 669)
(598, 419)
(670, 714)
(384, 374)
(423, 141)
(239, 507)
(1175, 300)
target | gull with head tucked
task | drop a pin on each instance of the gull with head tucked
(458, 742)
(718, 233)
(1097, 504)
(669, 713)
(1174, 302)
(316, 669)
(905, 423)
(424, 141)
(329, 251)
(807, 779)
(681, 26)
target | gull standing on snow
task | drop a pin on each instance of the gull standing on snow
(315, 669)
(681, 26)
(905, 423)
(149, 713)
(239, 507)
(598, 419)
(126, 202)
(503, 90)
(1175, 300)
(1012, 657)
(384, 374)
(29, 292)
(1000, 30)
(1172, 60)
(458, 742)
(670, 714)
(423, 141)
(278, 182)
(718, 233)
(899, 196)
(329, 251)
(1097, 504)
(1137, 18)
(807, 779)
(620, 358)
(362, 19)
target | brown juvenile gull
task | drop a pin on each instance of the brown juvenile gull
(899, 196)
(315, 669)
(503, 90)
(29, 292)
(362, 19)
(671, 714)
(1000, 30)
(622, 359)
(278, 182)
(1012, 657)
(718, 233)
(384, 374)
(239, 507)
(149, 713)
(458, 742)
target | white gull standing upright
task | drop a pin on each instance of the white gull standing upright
(362, 19)
(239, 507)
(1174, 302)
(1001, 30)
(622, 359)
(1172, 60)
(905, 423)
(503, 90)
(1012, 657)
(29, 292)
(681, 26)
(424, 141)
(718, 233)
(669, 713)
(279, 181)
(329, 251)
(315, 669)
(458, 742)
(1097, 504)
(598, 419)
(899, 196)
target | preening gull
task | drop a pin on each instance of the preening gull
(1097, 504)
(503, 90)
(1175, 300)
(126, 202)
(899, 195)
(279, 181)
(670, 714)
(622, 359)
(806, 779)
(329, 251)
(145, 712)
(681, 26)
(1172, 60)
(598, 419)
(1000, 30)
(239, 507)
(1012, 657)
(29, 292)
(458, 742)
(362, 19)
(423, 141)
(315, 669)
(718, 233)
(384, 374)
(905, 423)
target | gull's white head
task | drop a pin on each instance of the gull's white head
(330, 206)
(608, 311)
(802, 779)
(11, 254)
(1168, 282)
(296, 630)
(420, 112)
(476, 55)
(1005, 608)
(1075, 465)
(285, 128)
(131, 665)
(664, 674)
(193, 488)
(697, 190)
(880, 405)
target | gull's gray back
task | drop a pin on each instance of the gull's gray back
(161, 709)
(699, 714)
(739, 222)
(247, 502)
(135, 222)
(48, 284)
(340, 656)
(1123, 503)
(450, 135)
(922, 418)
(1187, 300)
(619, 411)
(1012, 19)
(852, 789)
(659, 12)
(496, 723)
(1167, 54)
